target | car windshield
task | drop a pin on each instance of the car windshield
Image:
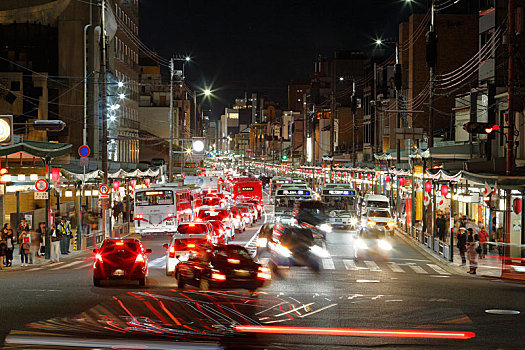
(379, 214)
(377, 204)
(187, 229)
(154, 197)
(111, 246)
(233, 252)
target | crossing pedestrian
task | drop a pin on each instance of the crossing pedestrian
(35, 246)
(25, 245)
(462, 244)
(472, 252)
(10, 242)
(56, 237)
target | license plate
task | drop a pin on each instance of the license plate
(243, 273)
(338, 220)
(118, 273)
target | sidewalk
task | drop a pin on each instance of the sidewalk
(488, 267)
(40, 261)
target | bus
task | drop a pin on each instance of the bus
(247, 188)
(341, 201)
(285, 199)
(160, 208)
(276, 182)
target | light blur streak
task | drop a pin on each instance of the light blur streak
(318, 310)
(304, 306)
(356, 332)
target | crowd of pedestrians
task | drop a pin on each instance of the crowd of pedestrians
(32, 243)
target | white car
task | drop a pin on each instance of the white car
(188, 236)
(239, 220)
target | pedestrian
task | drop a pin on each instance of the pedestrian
(25, 245)
(498, 239)
(483, 241)
(41, 231)
(10, 242)
(462, 244)
(56, 237)
(65, 229)
(116, 211)
(35, 246)
(472, 251)
(3, 249)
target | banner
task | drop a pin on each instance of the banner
(408, 205)
(419, 205)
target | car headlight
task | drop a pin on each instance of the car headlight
(319, 251)
(282, 250)
(371, 223)
(353, 221)
(384, 245)
(360, 244)
(391, 224)
(261, 242)
(325, 227)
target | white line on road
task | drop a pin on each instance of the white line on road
(83, 266)
(417, 268)
(372, 265)
(318, 310)
(35, 269)
(304, 306)
(158, 261)
(350, 265)
(66, 265)
(328, 264)
(395, 267)
(438, 269)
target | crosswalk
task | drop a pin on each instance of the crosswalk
(421, 268)
(77, 264)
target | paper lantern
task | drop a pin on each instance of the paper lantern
(428, 187)
(368, 176)
(516, 205)
(388, 179)
(444, 190)
(133, 183)
(360, 175)
(55, 174)
(146, 181)
(116, 186)
(402, 181)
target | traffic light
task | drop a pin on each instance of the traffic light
(480, 128)
(284, 157)
(6, 129)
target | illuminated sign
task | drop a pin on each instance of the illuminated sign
(298, 181)
(154, 193)
(247, 188)
(6, 129)
(293, 192)
(282, 182)
(340, 192)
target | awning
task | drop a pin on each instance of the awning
(40, 149)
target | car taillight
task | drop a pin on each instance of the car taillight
(234, 261)
(218, 276)
(139, 216)
(221, 231)
(98, 257)
(226, 219)
(191, 245)
(264, 273)
(139, 259)
(172, 252)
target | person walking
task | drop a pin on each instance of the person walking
(25, 245)
(462, 244)
(35, 246)
(56, 237)
(498, 239)
(10, 242)
(483, 241)
(472, 252)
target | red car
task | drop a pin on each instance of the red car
(120, 259)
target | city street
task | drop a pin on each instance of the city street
(409, 292)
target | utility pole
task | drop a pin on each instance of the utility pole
(103, 93)
(170, 152)
(354, 110)
(374, 96)
(511, 47)
(431, 62)
(332, 128)
(398, 80)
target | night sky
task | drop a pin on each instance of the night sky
(263, 45)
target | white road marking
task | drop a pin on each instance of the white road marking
(158, 262)
(372, 265)
(35, 269)
(264, 261)
(395, 267)
(66, 265)
(417, 268)
(328, 264)
(83, 266)
(350, 265)
(438, 269)
(318, 310)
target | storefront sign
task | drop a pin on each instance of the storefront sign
(418, 170)
(409, 212)
(41, 195)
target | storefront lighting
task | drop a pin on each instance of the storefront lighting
(33, 177)
(10, 189)
(69, 193)
(6, 178)
(21, 177)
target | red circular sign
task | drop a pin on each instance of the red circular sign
(84, 151)
(41, 185)
(103, 189)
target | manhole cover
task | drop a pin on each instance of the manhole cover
(502, 312)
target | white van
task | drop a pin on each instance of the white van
(375, 201)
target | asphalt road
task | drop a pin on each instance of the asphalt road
(409, 291)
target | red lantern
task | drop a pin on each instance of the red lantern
(133, 183)
(428, 186)
(368, 176)
(360, 175)
(338, 173)
(351, 174)
(116, 186)
(444, 190)
(402, 181)
(388, 179)
(146, 181)
(516, 205)
(55, 174)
